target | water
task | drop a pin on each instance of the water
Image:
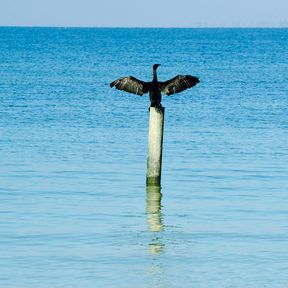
(74, 210)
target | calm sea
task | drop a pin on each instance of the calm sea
(74, 210)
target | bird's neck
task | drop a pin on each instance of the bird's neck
(155, 79)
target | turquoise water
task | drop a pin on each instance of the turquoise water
(74, 208)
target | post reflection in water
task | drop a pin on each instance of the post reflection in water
(154, 217)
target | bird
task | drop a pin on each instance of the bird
(155, 88)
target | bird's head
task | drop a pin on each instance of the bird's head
(155, 66)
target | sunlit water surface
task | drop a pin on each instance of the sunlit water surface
(74, 208)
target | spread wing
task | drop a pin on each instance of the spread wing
(131, 84)
(178, 84)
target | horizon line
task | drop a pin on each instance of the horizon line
(145, 27)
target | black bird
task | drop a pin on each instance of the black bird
(175, 85)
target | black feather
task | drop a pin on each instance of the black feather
(131, 84)
(178, 84)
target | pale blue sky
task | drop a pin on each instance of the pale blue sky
(145, 13)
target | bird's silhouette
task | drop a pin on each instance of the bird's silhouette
(155, 88)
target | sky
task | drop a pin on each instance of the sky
(144, 13)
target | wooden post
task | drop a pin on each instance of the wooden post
(155, 142)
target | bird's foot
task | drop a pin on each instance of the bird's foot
(158, 107)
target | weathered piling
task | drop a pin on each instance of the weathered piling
(155, 143)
